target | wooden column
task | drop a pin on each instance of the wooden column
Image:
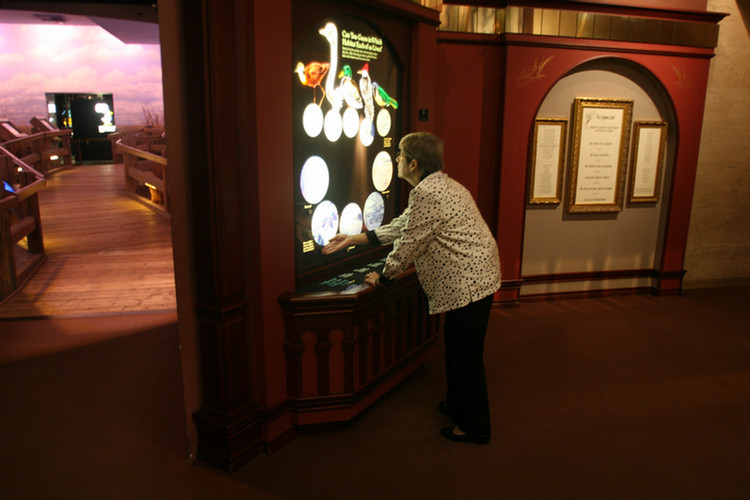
(208, 134)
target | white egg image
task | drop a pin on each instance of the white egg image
(313, 180)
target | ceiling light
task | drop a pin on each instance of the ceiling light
(50, 18)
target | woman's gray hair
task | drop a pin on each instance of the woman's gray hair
(424, 147)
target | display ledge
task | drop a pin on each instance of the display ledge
(349, 282)
(345, 350)
(343, 290)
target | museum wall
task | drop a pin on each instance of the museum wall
(556, 242)
(549, 250)
(466, 117)
(718, 247)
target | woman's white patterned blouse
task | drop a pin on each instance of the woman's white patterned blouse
(444, 235)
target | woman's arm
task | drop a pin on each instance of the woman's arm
(383, 235)
(342, 241)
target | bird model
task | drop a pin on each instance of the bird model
(365, 86)
(382, 97)
(349, 89)
(311, 76)
(331, 33)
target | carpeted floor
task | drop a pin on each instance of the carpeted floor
(634, 397)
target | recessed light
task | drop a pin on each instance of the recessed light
(50, 18)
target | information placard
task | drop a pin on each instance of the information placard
(649, 139)
(598, 162)
(548, 153)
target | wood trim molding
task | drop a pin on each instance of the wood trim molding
(588, 276)
(656, 12)
(586, 21)
(664, 283)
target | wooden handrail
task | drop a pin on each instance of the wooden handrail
(36, 136)
(8, 202)
(19, 161)
(140, 153)
(31, 189)
(145, 171)
(26, 191)
(19, 218)
(40, 148)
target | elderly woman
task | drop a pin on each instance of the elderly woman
(442, 233)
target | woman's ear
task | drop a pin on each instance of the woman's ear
(413, 165)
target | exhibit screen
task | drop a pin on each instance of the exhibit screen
(89, 115)
(347, 119)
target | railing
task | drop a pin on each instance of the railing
(45, 152)
(22, 245)
(145, 168)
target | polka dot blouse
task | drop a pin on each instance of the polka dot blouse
(444, 235)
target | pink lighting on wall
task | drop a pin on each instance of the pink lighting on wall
(35, 59)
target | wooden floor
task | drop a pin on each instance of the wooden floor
(106, 253)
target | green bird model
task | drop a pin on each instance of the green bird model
(382, 97)
(349, 89)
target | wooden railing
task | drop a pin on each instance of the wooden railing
(45, 152)
(145, 167)
(22, 245)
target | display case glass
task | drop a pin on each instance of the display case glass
(347, 120)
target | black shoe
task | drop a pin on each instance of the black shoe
(448, 433)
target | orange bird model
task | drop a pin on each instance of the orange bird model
(311, 76)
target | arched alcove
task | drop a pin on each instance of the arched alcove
(564, 252)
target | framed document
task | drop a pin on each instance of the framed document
(647, 161)
(598, 161)
(547, 154)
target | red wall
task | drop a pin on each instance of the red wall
(478, 81)
(273, 51)
(469, 84)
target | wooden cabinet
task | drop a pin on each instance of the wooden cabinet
(344, 350)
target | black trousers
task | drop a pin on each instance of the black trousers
(464, 333)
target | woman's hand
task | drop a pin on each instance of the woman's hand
(338, 242)
(372, 278)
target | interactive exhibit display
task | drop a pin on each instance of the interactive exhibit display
(92, 118)
(346, 131)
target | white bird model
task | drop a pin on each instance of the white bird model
(331, 33)
(365, 87)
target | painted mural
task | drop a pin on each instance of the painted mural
(39, 59)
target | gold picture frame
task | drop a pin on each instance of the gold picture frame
(647, 161)
(547, 160)
(598, 162)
